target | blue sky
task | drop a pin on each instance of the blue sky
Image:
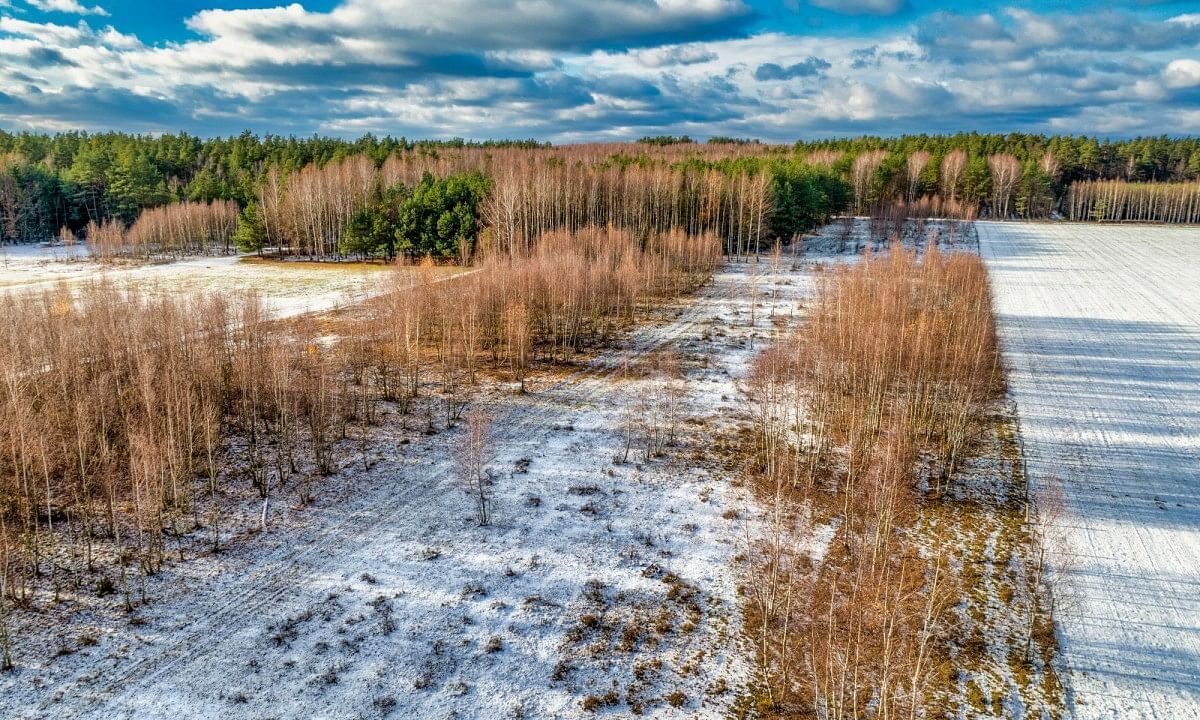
(582, 70)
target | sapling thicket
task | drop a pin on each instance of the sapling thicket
(173, 230)
(138, 398)
(897, 359)
(128, 418)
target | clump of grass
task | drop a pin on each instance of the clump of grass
(592, 703)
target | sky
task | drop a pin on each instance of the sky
(593, 70)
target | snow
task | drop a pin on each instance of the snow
(1101, 327)
(287, 289)
(381, 598)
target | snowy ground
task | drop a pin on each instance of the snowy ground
(603, 580)
(1101, 327)
(848, 236)
(287, 288)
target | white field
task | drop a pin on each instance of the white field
(291, 623)
(1101, 328)
(286, 288)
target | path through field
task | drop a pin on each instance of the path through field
(385, 598)
(1101, 328)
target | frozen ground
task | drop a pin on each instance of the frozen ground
(1101, 327)
(847, 236)
(383, 598)
(286, 288)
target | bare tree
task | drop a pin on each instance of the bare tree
(471, 458)
(862, 173)
(1045, 512)
(914, 166)
(1006, 172)
(6, 661)
(517, 337)
(1049, 164)
(953, 166)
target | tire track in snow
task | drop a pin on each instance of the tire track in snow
(230, 605)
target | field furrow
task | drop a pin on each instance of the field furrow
(1101, 328)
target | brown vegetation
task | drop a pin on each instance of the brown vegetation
(897, 362)
(307, 211)
(1115, 200)
(184, 228)
(862, 173)
(533, 191)
(126, 418)
(118, 409)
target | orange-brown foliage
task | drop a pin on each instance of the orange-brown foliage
(898, 358)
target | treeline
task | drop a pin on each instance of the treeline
(863, 419)
(1078, 157)
(439, 204)
(322, 197)
(744, 201)
(350, 207)
(132, 424)
(1114, 200)
(1014, 175)
(70, 179)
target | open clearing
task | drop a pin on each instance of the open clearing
(603, 580)
(287, 288)
(1101, 328)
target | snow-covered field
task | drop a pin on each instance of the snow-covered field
(615, 581)
(1101, 328)
(286, 288)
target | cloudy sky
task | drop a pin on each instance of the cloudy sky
(573, 70)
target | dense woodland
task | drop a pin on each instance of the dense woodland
(324, 196)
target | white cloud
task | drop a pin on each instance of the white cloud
(67, 6)
(1183, 73)
(583, 69)
(675, 55)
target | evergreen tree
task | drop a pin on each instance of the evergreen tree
(251, 235)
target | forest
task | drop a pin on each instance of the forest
(325, 196)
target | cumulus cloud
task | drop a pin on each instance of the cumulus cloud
(588, 69)
(1184, 73)
(67, 6)
(1017, 34)
(806, 68)
(420, 26)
